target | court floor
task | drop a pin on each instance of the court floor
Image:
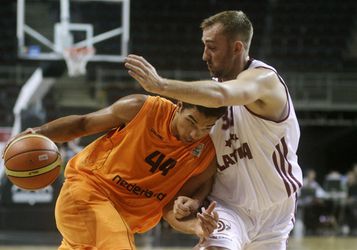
(306, 243)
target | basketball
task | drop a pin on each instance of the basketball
(32, 161)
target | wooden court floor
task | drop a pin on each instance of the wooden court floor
(306, 243)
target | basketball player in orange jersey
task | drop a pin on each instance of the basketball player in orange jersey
(258, 174)
(125, 181)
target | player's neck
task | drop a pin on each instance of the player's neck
(242, 65)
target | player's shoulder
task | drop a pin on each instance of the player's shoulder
(138, 100)
(256, 64)
(260, 70)
(160, 102)
(161, 99)
(133, 100)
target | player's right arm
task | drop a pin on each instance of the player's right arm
(70, 127)
(259, 89)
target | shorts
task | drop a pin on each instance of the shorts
(88, 220)
(243, 230)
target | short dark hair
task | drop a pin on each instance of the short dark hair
(208, 112)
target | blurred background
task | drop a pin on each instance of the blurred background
(312, 44)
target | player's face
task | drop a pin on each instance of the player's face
(218, 52)
(189, 125)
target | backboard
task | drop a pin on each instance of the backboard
(45, 29)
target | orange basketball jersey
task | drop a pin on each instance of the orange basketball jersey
(142, 166)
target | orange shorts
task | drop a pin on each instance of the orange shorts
(88, 220)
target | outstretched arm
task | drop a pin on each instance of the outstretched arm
(70, 127)
(254, 86)
(259, 89)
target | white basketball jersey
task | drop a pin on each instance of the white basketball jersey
(257, 158)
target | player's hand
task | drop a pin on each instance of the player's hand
(185, 206)
(27, 131)
(207, 222)
(144, 73)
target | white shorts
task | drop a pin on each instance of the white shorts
(239, 229)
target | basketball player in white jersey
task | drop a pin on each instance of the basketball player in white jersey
(256, 142)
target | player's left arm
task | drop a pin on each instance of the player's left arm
(205, 222)
(73, 126)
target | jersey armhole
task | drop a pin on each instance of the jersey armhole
(287, 98)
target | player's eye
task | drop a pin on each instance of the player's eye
(190, 121)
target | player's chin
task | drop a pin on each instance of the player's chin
(211, 72)
(214, 74)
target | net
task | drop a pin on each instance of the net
(77, 59)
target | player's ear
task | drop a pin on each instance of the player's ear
(238, 47)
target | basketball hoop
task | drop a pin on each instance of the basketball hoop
(77, 59)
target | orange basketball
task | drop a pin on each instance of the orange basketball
(32, 161)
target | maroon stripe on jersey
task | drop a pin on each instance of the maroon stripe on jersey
(288, 173)
(285, 150)
(277, 167)
(283, 168)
